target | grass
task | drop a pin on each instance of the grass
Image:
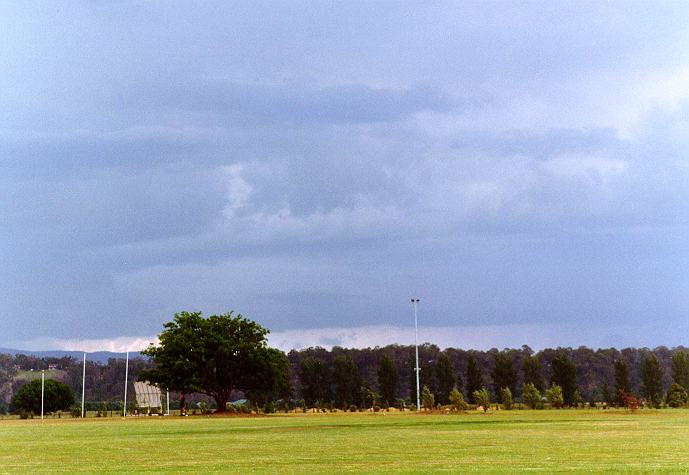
(31, 375)
(505, 441)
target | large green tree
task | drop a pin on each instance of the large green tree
(445, 375)
(504, 374)
(474, 378)
(346, 382)
(215, 356)
(564, 375)
(621, 381)
(680, 368)
(652, 377)
(56, 396)
(532, 371)
(315, 379)
(387, 380)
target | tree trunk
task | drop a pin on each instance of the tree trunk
(221, 401)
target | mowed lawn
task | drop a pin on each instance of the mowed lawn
(504, 441)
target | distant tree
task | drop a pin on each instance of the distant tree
(474, 378)
(482, 398)
(629, 401)
(680, 368)
(652, 377)
(428, 376)
(314, 377)
(506, 398)
(621, 380)
(445, 376)
(427, 398)
(57, 396)
(346, 382)
(533, 373)
(457, 400)
(412, 380)
(387, 380)
(270, 379)
(605, 394)
(555, 396)
(676, 396)
(504, 374)
(531, 395)
(564, 374)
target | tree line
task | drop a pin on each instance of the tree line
(223, 358)
(385, 375)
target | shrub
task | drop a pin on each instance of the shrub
(531, 396)
(676, 396)
(555, 397)
(457, 400)
(427, 398)
(629, 401)
(506, 397)
(57, 395)
(353, 408)
(482, 398)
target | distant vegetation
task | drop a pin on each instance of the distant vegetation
(228, 368)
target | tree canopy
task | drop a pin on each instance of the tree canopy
(215, 356)
(56, 396)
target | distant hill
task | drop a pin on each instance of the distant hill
(96, 356)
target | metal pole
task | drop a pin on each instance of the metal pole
(83, 387)
(168, 402)
(126, 378)
(42, 390)
(416, 344)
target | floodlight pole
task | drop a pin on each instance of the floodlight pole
(126, 378)
(83, 387)
(42, 390)
(416, 344)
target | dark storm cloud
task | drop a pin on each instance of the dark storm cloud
(313, 166)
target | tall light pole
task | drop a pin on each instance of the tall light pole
(414, 302)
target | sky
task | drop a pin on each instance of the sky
(520, 167)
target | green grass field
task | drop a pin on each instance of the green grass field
(504, 441)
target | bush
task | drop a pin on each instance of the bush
(57, 396)
(506, 397)
(555, 397)
(531, 396)
(482, 398)
(353, 408)
(457, 400)
(629, 401)
(676, 396)
(427, 398)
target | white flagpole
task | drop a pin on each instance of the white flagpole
(126, 377)
(42, 390)
(168, 403)
(83, 387)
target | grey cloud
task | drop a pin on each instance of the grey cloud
(292, 103)
(315, 165)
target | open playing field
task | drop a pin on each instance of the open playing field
(505, 441)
